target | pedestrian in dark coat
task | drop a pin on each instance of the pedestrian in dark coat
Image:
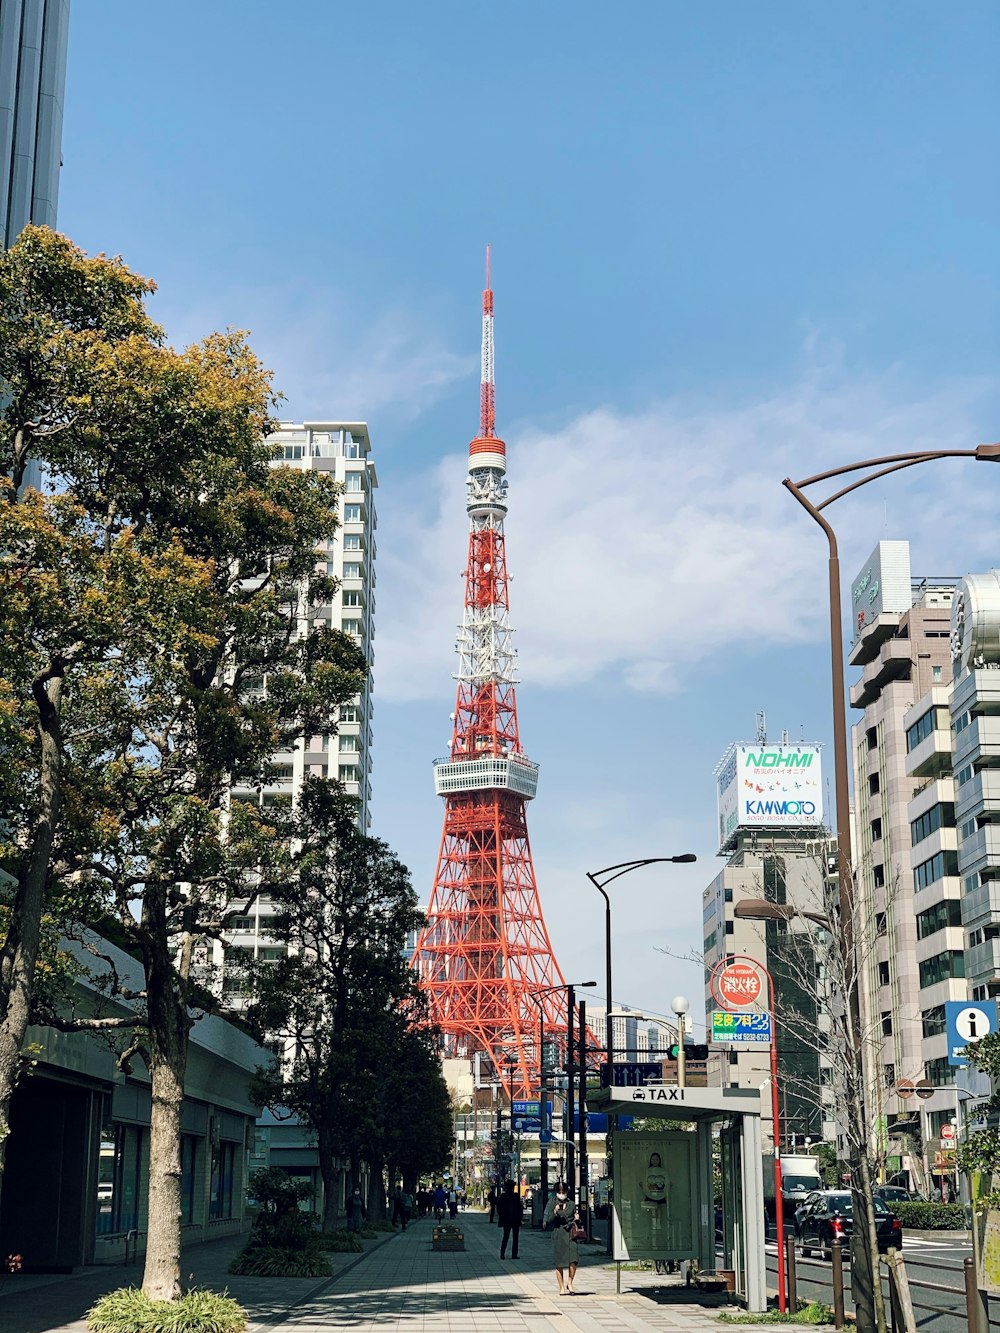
(491, 1199)
(510, 1211)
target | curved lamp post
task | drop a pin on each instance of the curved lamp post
(536, 998)
(600, 878)
(873, 469)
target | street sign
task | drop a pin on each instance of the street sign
(923, 1088)
(625, 1075)
(741, 1029)
(904, 1088)
(737, 985)
(527, 1117)
(947, 1132)
(545, 1136)
(967, 1022)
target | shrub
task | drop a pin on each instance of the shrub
(280, 1224)
(930, 1216)
(340, 1242)
(128, 1310)
(815, 1312)
(279, 1261)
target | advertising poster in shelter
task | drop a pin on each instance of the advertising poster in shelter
(654, 1194)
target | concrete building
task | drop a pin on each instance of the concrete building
(75, 1186)
(33, 41)
(901, 646)
(937, 897)
(771, 830)
(342, 450)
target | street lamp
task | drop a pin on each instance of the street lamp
(679, 1007)
(873, 468)
(538, 998)
(600, 878)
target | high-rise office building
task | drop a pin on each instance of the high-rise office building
(901, 646)
(342, 450)
(33, 41)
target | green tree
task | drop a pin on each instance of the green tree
(343, 1002)
(174, 568)
(979, 1152)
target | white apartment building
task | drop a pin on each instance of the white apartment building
(342, 450)
(901, 645)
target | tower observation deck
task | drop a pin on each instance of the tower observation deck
(484, 950)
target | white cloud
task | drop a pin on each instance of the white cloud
(643, 544)
(325, 357)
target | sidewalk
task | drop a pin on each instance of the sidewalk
(400, 1285)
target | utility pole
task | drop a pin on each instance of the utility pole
(584, 1162)
(570, 1093)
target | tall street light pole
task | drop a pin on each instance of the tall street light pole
(867, 1298)
(599, 879)
(537, 998)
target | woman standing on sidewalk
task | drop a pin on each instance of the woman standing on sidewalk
(565, 1255)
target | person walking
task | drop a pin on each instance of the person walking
(491, 1199)
(439, 1200)
(407, 1207)
(565, 1255)
(355, 1210)
(398, 1211)
(453, 1203)
(510, 1211)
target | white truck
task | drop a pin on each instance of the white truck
(799, 1174)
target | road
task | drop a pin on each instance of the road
(934, 1270)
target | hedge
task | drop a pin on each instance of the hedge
(930, 1216)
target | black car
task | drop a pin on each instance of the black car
(828, 1216)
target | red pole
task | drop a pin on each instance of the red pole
(779, 1206)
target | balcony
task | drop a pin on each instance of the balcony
(894, 662)
(931, 757)
(979, 796)
(865, 649)
(981, 738)
(981, 850)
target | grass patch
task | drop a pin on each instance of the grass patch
(815, 1312)
(339, 1242)
(128, 1310)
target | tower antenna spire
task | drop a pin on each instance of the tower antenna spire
(487, 387)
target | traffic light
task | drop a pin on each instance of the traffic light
(690, 1052)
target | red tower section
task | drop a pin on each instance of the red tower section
(485, 950)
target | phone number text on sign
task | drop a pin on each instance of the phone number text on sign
(741, 1029)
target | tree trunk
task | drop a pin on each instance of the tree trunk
(377, 1210)
(330, 1173)
(169, 1030)
(19, 955)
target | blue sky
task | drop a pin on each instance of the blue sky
(730, 242)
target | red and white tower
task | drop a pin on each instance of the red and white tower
(485, 949)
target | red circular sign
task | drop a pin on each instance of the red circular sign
(947, 1132)
(738, 985)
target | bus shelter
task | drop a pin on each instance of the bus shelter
(662, 1197)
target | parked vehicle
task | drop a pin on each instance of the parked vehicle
(799, 1176)
(829, 1217)
(891, 1194)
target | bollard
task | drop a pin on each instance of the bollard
(793, 1295)
(837, 1278)
(976, 1313)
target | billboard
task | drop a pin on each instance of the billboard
(882, 585)
(769, 787)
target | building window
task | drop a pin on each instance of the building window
(961, 722)
(352, 541)
(871, 736)
(938, 816)
(876, 827)
(220, 1202)
(873, 783)
(922, 728)
(937, 867)
(887, 1024)
(883, 974)
(189, 1159)
(353, 570)
(935, 673)
(940, 1073)
(119, 1179)
(878, 875)
(349, 713)
(353, 482)
(942, 967)
(352, 514)
(348, 743)
(932, 1022)
(349, 773)
(939, 917)
(964, 775)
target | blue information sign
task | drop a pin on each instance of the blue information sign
(527, 1117)
(967, 1021)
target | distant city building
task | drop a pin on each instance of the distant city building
(906, 871)
(785, 865)
(343, 451)
(33, 41)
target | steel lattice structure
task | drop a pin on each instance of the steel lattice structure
(485, 949)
